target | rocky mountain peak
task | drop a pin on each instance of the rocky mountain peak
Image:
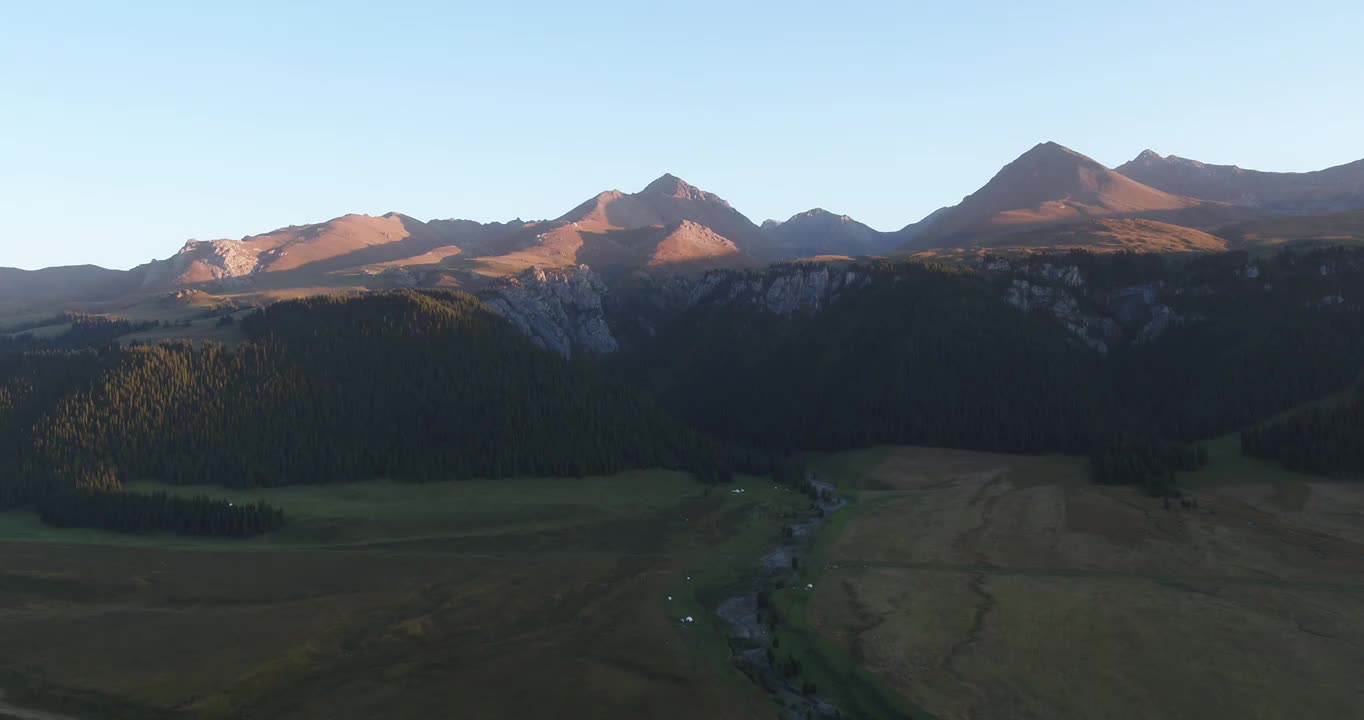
(1051, 153)
(1150, 159)
(670, 185)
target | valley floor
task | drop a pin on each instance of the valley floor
(956, 585)
(488, 599)
(983, 586)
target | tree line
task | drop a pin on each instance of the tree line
(1326, 440)
(83, 331)
(406, 385)
(142, 513)
(335, 389)
(1144, 461)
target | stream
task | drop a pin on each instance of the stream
(743, 615)
(741, 612)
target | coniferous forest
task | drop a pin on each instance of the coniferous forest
(1325, 440)
(432, 385)
(402, 385)
(921, 356)
(932, 356)
(136, 512)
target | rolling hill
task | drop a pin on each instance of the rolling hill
(22, 289)
(1114, 235)
(694, 246)
(1342, 228)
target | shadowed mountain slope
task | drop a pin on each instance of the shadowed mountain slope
(1323, 191)
(1047, 185)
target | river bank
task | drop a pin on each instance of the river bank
(749, 615)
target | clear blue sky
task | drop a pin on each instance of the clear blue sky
(128, 128)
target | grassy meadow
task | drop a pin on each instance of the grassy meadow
(511, 598)
(956, 585)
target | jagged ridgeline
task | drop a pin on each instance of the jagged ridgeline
(397, 384)
(913, 354)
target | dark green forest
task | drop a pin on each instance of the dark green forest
(1325, 440)
(1259, 347)
(922, 356)
(1144, 461)
(83, 331)
(404, 385)
(135, 512)
(32, 384)
(931, 356)
(432, 385)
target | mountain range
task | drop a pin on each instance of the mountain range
(1311, 193)
(1049, 197)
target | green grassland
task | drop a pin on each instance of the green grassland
(956, 584)
(508, 598)
(377, 512)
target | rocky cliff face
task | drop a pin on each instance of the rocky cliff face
(1099, 320)
(1098, 333)
(558, 309)
(201, 261)
(782, 289)
(564, 310)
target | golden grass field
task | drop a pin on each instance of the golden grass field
(1343, 228)
(991, 586)
(486, 599)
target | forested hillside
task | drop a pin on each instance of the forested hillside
(1325, 440)
(919, 356)
(31, 384)
(82, 331)
(432, 385)
(925, 355)
(331, 389)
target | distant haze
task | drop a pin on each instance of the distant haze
(126, 129)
